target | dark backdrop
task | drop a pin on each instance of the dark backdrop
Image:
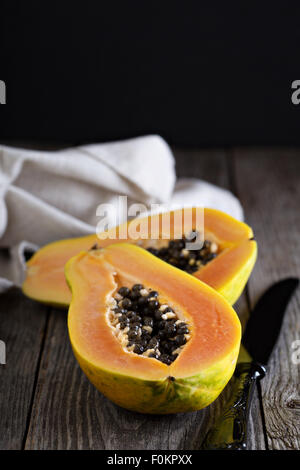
(198, 73)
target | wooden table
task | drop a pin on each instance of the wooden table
(47, 403)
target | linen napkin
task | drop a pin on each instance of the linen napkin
(50, 195)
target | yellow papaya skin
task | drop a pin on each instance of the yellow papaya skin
(163, 396)
(141, 384)
(227, 273)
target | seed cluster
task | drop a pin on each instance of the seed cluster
(187, 260)
(145, 326)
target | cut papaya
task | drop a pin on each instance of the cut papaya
(226, 270)
(150, 337)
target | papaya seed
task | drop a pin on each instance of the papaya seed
(190, 261)
(146, 327)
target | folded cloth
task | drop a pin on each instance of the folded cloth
(50, 195)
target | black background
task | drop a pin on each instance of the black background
(198, 73)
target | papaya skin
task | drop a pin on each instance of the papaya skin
(164, 396)
(134, 382)
(227, 273)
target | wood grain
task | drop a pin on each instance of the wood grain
(22, 325)
(268, 183)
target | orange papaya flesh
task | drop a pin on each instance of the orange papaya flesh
(139, 383)
(227, 273)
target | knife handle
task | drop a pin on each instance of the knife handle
(230, 430)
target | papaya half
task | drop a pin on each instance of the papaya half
(227, 271)
(149, 336)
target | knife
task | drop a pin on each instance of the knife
(259, 338)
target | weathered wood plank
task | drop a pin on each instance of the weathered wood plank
(268, 185)
(22, 324)
(209, 165)
(68, 413)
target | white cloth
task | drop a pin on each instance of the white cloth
(49, 195)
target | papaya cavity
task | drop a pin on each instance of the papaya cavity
(143, 325)
(189, 260)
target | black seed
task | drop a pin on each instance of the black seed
(123, 325)
(170, 330)
(138, 319)
(132, 335)
(135, 326)
(134, 295)
(158, 314)
(154, 251)
(182, 263)
(153, 304)
(94, 247)
(131, 315)
(143, 342)
(123, 318)
(182, 330)
(137, 287)
(161, 325)
(168, 309)
(173, 346)
(153, 293)
(126, 303)
(134, 306)
(146, 336)
(180, 340)
(154, 354)
(175, 253)
(210, 257)
(165, 346)
(161, 334)
(124, 291)
(172, 253)
(165, 358)
(142, 301)
(148, 321)
(153, 343)
(138, 349)
(192, 269)
(119, 310)
(147, 311)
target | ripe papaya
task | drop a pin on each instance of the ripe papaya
(227, 271)
(129, 310)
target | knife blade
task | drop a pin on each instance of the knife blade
(259, 338)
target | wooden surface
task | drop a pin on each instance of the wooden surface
(47, 403)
